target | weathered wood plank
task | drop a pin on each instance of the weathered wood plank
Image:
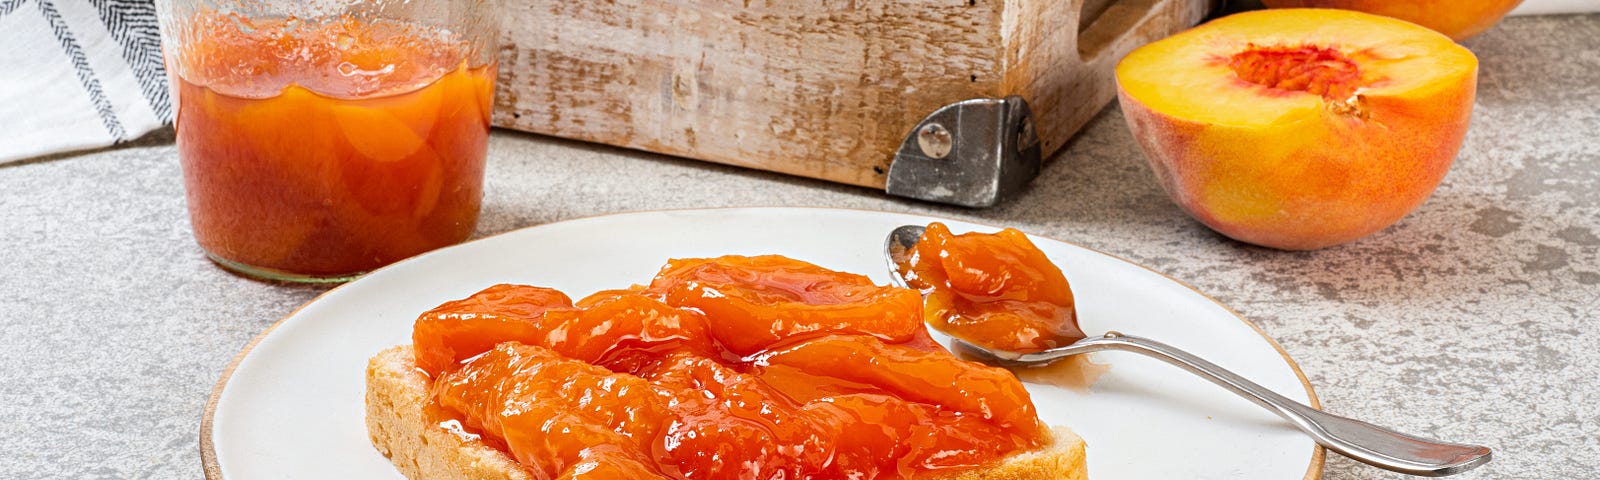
(823, 89)
(1061, 56)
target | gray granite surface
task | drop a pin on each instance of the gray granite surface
(1475, 318)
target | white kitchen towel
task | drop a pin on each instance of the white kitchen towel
(1546, 7)
(78, 74)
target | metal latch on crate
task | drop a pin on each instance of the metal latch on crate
(972, 153)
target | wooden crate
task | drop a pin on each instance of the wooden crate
(820, 88)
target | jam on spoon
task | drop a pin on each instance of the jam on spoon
(999, 291)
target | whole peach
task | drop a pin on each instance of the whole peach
(1460, 19)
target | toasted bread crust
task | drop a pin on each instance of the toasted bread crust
(402, 429)
(398, 423)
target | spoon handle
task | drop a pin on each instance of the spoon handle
(1368, 443)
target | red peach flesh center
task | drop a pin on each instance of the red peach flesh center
(1305, 68)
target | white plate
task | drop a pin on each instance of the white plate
(291, 406)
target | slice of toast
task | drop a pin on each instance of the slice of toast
(400, 426)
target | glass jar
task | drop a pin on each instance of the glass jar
(321, 139)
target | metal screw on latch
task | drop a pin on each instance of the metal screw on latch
(934, 140)
(1026, 138)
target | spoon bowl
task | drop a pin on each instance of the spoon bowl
(1365, 442)
(900, 240)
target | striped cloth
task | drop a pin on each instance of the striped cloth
(77, 74)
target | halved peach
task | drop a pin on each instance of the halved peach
(1299, 128)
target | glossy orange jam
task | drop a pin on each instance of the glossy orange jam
(997, 290)
(725, 368)
(330, 147)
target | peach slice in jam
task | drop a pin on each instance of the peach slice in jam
(996, 290)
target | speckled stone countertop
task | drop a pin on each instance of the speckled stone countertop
(1476, 318)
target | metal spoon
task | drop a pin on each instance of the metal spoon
(1365, 442)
